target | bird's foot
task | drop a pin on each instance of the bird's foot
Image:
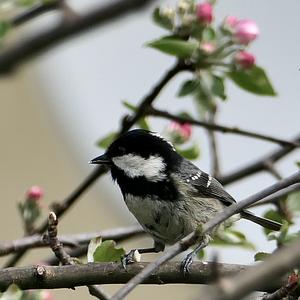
(186, 263)
(129, 258)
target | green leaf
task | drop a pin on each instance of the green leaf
(26, 2)
(162, 20)
(208, 34)
(107, 140)
(107, 252)
(218, 87)
(253, 80)
(204, 100)
(231, 237)
(261, 256)
(272, 215)
(293, 202)
(191, 152)
(201, 254)
(188, 87)
(298, 164)
(129, 105)
(283, 236)
(4, 27)
(93, 245)
(174, 46)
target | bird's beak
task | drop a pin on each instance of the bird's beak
(101, 160)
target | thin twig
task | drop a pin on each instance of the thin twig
(41, 41)
(71, 240)
(34, 12)
(54, 243)
(217, 127)
(97, 291)
(215, 162)
(146, 104)
(258, 277)
(206, 229)
(278, 196)
(259, 164)
(64, 257)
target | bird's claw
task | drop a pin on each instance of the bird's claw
(128, 259)
(186, 263)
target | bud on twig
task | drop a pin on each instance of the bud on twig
(244, 59)
(245, 31)
(204, 12)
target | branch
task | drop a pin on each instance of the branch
(54, 243)
(69, 276)
(214, 153)
(192, 238)
(279, 195)
(225, 129)
(146, 105)
(35, 11)
(64, 257)
(258, 165)
(258, 277)
(42, 41)
(38, 241)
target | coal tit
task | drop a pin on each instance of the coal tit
(167, 194)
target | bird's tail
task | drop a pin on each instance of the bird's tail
(269, 224)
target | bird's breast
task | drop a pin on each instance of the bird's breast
(158, 217)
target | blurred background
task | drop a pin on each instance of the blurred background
(56, 106)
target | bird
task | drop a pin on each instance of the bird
(167, 194)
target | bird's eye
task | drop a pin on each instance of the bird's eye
(121, 150)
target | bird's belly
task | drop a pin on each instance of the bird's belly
(159, 218)
(170, 221)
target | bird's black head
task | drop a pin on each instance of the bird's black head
(140, 153)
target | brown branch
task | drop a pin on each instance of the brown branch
(54, 243)
(258, 165)
(64, 257)
(70, 276)
(42, 41)
(213, 147)
(71, 240)
(34, 12)
(225, 129)
(192, 238)
(259, 277)
(145, 106)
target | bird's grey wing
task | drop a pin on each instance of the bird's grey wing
(204, 184)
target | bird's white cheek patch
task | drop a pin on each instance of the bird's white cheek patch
(153, 167)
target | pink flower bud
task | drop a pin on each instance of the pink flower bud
(245, 31)
(179, 132)
(204, 12)
(230, 21)
(207, 47)
(46, 295)
(244, 59)
(35, 193)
